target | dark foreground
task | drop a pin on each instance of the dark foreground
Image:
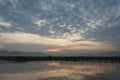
(50, 58)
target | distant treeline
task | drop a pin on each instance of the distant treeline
(53, 58)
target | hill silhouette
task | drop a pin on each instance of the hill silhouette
(19, 53)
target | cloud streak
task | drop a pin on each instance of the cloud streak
(60, 44)
(28, 38)
(5, 24)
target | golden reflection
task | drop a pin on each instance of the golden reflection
(73, 71)
(54, 64)
(87, 69)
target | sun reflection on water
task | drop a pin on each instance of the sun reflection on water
(56, 70)
(54, 64)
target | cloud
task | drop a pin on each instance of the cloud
(40, 23)
(55, 50)
(60, 44)
(61, 23)
(28, 38)
(99, 47)
(12, 3)
(5, 24)
(1, 46)
(85, 46)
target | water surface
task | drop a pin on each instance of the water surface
(59, 70)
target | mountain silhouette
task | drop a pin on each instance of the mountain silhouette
(19, 53)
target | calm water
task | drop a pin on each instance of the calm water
(59, 70)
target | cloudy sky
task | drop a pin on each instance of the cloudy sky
(60, 26)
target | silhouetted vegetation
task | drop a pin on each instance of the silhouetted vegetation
(51, 58)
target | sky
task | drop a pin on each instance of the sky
(60, 26)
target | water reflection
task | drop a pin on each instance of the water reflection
(54, 64)
(52, 70)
